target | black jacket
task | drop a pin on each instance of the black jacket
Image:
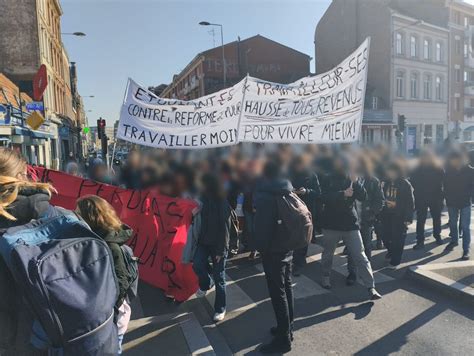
(114, 240)
(400, 192)
(310, 182)
(427, 185)
(215, 224)
(266, 215)
(15, 319)
(339, 212)
(458, 187)
(373, 205)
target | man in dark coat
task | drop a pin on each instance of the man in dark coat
(339, 194)
(458, 190)
(306, 185)
(275, 258)
(427, 182)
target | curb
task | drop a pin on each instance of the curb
(428, 274)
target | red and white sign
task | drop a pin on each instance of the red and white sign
(40, 82)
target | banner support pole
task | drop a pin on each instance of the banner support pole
(241, 109)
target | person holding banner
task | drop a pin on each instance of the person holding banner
(213, 243)
(339, 194)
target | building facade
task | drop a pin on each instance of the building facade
(408, 72)
(258, 56)
(29, 43)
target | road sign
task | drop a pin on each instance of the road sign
(86, 130)
(35, 105)
(40, 82)
(35, 120)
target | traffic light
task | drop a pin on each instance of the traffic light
(100, 128)
(401, 123)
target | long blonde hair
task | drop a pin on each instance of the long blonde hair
(98, 213)
(12, 166)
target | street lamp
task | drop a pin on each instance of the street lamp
(88, 96)
(205, 23)
(78, 34)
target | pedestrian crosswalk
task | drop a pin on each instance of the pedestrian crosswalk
(304, 286)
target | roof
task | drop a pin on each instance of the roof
(11, 92)
(200, 54)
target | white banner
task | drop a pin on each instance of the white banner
(210, 121)
(326, 108)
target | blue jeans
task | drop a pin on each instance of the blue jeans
(120, 340)
(203, 270)
(460, 218)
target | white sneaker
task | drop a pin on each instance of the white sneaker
(219, 316)
(201, 293)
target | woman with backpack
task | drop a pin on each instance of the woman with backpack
(20, 202)
(213, 242)
(103, 220)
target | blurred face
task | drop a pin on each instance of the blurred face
(392, 174)
(456, 163)
(181, 184)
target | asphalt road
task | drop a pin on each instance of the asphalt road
(411, 318)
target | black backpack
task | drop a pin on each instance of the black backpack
(131, 264)
(295, 226)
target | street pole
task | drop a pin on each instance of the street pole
(224, 67)
(223, 57)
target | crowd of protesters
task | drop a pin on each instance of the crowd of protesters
(365, 198)
(355, 195)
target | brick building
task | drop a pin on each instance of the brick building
(31, 36)
(258, 56)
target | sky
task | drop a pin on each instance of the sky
(150, 40)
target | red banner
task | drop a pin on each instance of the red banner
(160, 226)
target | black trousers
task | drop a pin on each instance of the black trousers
(277, 267)
(394, 234)
(299, 257)
(421, 213)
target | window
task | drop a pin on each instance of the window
(471, 102)
(428, 133)
(457, 17)
(465, 76)
(457, 104)
(466, 21)
(414, 85)
(439, 52)
(439, 88)
(400, 84)
(426, 49)
(413, 46)
(457, 75)
(399, 43)
(375, 103)
(439, 133)
(457, 45)
(427, 85)
(466, 50)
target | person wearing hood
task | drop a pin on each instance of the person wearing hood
(339, 193)
(276, 259)
(306, 185)
(103, 220)
(20, 202)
